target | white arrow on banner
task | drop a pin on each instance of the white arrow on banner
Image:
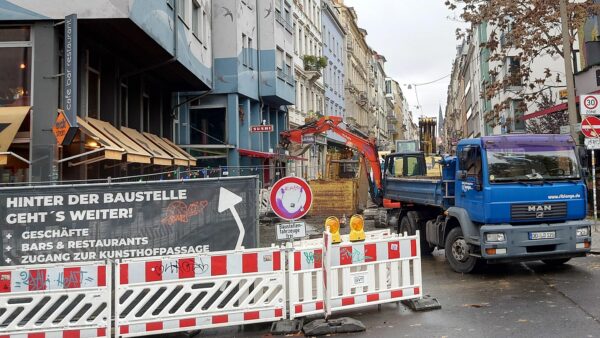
(228, 200)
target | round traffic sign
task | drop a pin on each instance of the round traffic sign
(590, 127)
(291, 198)
(590, 102)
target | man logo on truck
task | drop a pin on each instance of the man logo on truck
(538, 208)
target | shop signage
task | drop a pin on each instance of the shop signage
(70, 75)
(268, 128)
(62, 128)
(68, 223)
(314, 139)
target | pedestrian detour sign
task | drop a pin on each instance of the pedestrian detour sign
(291, 198)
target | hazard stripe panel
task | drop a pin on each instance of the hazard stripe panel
(52, 277)
(140, 271)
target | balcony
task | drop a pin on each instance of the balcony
(391, 118)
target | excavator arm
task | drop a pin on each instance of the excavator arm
(367, 148)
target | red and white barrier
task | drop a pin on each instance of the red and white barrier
(56, 300)
(172, 294)
(373, 272)
(305, 277)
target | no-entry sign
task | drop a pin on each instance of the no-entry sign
(590, 126)
(589, 104)
(291, 198)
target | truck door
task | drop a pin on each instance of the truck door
(470, 182)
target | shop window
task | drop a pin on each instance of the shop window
(15, 66)
(207, 126)
(15, 76)
(124, 104)
(93, 93)
(146, 113)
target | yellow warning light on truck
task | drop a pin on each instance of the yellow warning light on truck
(334, 228)
(357, 228)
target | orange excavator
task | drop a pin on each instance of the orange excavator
(366, 147)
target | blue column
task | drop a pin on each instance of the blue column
(233, 128)
(244, 132)
(255, 120)
(266, 137)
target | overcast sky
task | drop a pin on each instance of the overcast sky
(418, 39)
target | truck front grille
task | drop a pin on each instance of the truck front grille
(528, 212)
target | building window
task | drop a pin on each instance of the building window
(287, 15)
(514, 72)
(15, 66)
(598, 77)
(250, 52)
(289, 61)
(196, 19)
(518, 113)
(205, 28)
(182, 9)
(280, 59)
(244, 50)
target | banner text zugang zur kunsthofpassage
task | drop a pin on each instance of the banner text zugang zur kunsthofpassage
(65, 227)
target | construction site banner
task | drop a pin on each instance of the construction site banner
(70, 223)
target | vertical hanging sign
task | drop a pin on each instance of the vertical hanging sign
(70, 77)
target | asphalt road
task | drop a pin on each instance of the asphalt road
(509, 300)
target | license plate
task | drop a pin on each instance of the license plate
(542, 235)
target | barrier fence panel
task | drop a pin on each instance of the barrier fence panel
(63, 300)
(183, 293)
(373, 272)
(305, 273)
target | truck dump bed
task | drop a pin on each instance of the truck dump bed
(418, 190)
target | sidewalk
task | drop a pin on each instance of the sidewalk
(596, 239)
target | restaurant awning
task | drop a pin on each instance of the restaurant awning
(159, 156)
(254, 153)
(133, 152)
(178, 158)
(96, 145)
(11, 119)
(191, 158)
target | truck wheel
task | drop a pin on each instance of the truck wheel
(556, 262)
(458, 252)
(410, 225)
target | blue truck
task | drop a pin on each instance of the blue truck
(500, 199)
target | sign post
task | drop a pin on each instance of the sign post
(594, 189)
(589, 127)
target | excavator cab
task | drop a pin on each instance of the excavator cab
(405, 165)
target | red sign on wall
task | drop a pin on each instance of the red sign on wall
(268, 128)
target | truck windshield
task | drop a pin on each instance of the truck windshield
(532, 163)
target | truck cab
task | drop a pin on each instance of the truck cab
(517, 197)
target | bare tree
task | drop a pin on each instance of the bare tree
(549, 123)
(522, 31)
